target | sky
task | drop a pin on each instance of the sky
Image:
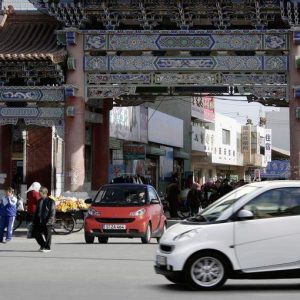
(242, 110)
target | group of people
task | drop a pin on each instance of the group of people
(40, 215)
(198, 197)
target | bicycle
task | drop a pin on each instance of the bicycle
(64, 222)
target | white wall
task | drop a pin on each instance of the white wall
(229, 153)
(165, 129)
(279, 122)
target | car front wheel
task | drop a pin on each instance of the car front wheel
(89, 239)
(147, 238)
(206, 271)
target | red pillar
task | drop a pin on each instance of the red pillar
(294, 103)
(74, 144)
(5, 153)
(100, 154)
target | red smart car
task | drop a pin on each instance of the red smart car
(125, 210)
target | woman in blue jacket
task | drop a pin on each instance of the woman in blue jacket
(8, 212)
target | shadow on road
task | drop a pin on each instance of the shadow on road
(47, 256)
(247, 288)
(109, 243)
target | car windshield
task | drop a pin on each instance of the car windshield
(214, 211)
(121, 196)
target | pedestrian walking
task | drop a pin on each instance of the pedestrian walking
(43, 220)
(173, 193)
(225, 187)
(33, 197)
(194, 199)
(8, 212)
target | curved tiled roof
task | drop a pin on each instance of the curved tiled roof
(30, 37)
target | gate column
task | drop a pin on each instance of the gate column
(100, 167)
(294, 103)
(5, 153)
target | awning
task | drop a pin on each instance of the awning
(152, 150)
(181, 154)
(30, 37)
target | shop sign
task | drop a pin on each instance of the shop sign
(134, 152)
(203, 108)
(246, 138)
(202, 139)
(268, 145)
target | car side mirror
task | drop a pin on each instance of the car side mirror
(244, 215)
(154, 201)
(88, 201)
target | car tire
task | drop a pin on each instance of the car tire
(206, 271)
(177, 279)
(163, 231)
(147, 238)
(103, 240)
(89, 239)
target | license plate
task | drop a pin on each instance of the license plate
(161, 260)
(114, 227)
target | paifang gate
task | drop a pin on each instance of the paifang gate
(129, 52)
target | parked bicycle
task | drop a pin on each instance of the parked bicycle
(65, 222)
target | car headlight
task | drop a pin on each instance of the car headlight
(138, 213)
(187, 235)
(93, 212)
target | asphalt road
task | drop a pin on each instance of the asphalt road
(122, 269)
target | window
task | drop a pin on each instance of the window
(225, 137)
(152, 194)
(276, 203)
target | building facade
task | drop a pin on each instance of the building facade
(133, 52)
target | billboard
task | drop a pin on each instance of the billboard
(202, 139)
(203, 108)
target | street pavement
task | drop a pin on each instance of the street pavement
(122, 269)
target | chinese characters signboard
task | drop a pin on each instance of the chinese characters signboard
(268, 145)
(203, 108)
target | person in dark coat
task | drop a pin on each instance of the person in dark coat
(215, 195)
(173, 193)
(194, 199)
(225, 188)
(43, 221)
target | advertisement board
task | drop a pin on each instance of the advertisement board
(202, 139)
(203, 108)
(134, 152)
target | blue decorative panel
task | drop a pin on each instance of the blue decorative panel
(93, 78)
(136, 40)
(205, 63)
(96, 63)
(152, 63)
(296, 37)
(71, 37)
(14, 93)
(297, 92)
(275, 41)
(272, 63)
(32, 112)
(201, 42)
(96, 42)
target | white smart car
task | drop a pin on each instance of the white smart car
(251, 233)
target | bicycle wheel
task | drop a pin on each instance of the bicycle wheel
(64, 224)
